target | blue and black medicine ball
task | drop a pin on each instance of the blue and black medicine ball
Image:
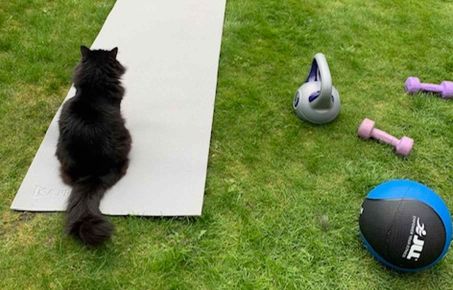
(405, 225)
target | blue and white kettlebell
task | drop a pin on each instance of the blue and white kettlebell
(317, 101)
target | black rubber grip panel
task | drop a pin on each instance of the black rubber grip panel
(386, 225)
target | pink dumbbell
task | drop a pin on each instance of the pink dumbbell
(445, 89)
(402, 146)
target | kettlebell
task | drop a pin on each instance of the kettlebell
(317, 100)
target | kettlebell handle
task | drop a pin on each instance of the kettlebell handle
(320, 72)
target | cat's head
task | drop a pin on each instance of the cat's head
(98, 63)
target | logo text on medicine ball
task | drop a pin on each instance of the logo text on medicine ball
(416, 240)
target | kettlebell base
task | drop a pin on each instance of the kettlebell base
(318, 120)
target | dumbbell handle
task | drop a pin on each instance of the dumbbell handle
(430, 87)
(384, 137)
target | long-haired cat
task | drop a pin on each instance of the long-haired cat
(94, 143)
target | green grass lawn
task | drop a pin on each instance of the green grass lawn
(282, 196)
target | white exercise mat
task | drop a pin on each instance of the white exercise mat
(171, 51)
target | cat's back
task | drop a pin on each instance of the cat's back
(85, 127)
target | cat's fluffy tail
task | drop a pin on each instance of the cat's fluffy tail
(84, 219)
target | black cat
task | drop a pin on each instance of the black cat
(94, 143)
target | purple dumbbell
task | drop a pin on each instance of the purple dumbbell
(402, 146)
(445, 89)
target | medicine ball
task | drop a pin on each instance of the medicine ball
(405, 225)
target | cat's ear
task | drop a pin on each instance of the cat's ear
(84, 51)
(114, 52)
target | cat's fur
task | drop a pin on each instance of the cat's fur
(94, 143)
